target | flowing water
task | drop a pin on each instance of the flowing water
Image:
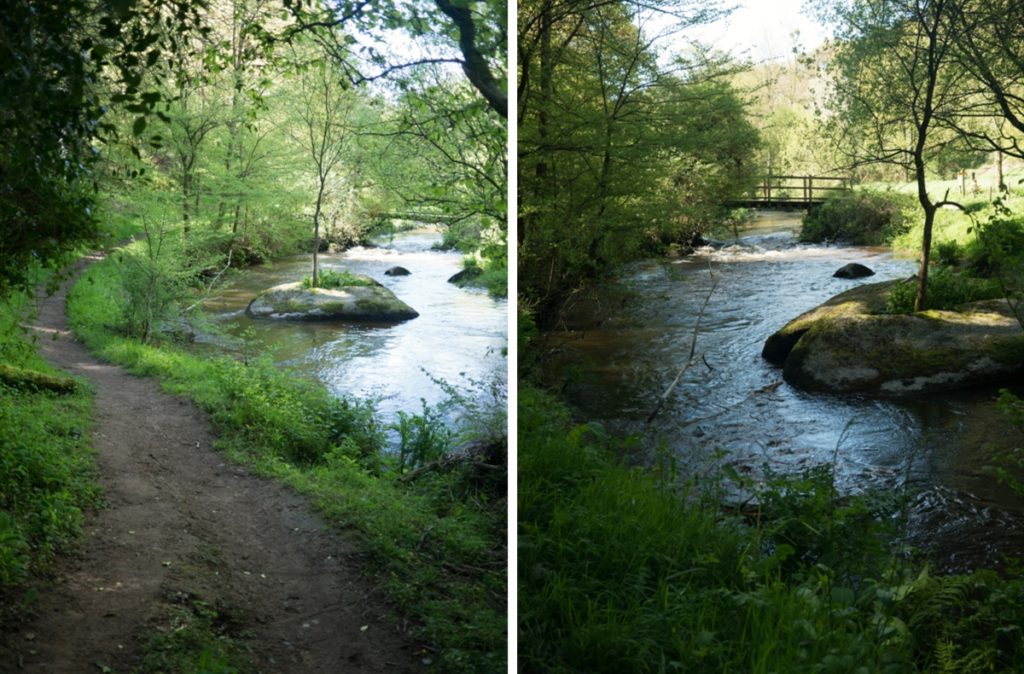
(457, 339)
(624, 344)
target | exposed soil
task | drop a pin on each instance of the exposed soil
(185, 524)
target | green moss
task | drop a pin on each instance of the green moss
(370, 305)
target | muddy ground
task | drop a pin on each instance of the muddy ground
(184, 525)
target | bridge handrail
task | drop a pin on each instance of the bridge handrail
(805, 186)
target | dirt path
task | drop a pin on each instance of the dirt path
(183, 524)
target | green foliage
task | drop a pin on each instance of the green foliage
(436, 542)
(63, 70)
(862, 217)
(947, 289)
(155, 276)
(423, 437)
(948, 253)
(617, 155)
(46, 470)
(619, 571)
(1009, 468)
(331, 278)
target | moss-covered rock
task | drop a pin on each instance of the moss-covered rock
(373, 303)
(848, 345)
(869, 298)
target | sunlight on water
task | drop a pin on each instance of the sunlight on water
(458, 337)
(626, 345)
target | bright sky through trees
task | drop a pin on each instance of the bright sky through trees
(763, 30)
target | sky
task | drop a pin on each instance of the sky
(761, 29)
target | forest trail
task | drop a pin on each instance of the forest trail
(185, 525)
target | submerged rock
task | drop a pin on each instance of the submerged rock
(848, 345)
(853, 270)
(397, 271)
(371, 302)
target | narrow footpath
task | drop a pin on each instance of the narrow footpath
(185, 525)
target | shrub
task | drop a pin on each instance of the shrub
(949, 253)
(329, 278)
(863, 217)
(947, 289)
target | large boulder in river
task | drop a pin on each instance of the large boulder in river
(849, 345)
(372, 302)
(853, 270)
(397, 271)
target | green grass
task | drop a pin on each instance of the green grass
(330, 279)
(947, 290)
(47, 476)
(621, 570)
(436, 542)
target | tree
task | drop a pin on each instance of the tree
(895, 80)
(323, 111)
(477, 27)
(991, 51)
(617, 152)
(63, 66)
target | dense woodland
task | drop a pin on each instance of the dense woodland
(630, 151)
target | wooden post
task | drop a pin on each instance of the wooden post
(810, 189)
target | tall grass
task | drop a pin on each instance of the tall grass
(46, 467)
(620, 571)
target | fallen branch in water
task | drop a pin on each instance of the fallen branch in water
(693, 349)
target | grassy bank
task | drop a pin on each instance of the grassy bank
(437, 542)
(622, 570)
(47, 476)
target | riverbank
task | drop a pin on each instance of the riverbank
(435, 543)
(802, 582)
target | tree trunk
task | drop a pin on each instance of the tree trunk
(922, 269)
(186, 186)
(316, 228)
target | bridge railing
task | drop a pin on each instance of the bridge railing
(799, 189)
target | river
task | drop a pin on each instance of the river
(621, 346)
(458, 338)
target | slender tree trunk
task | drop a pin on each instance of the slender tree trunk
(1001, 186)
(316, 228)
(186, 186)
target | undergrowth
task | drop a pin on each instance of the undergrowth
(47, 475)
(947, 290)
(437, 541)
(622, 570)
(862, 217)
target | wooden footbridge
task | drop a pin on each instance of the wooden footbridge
(792, 192)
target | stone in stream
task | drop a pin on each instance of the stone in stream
(397, 271)
(372, 302)
(467, 274)
(853, 270)
(849, 345)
